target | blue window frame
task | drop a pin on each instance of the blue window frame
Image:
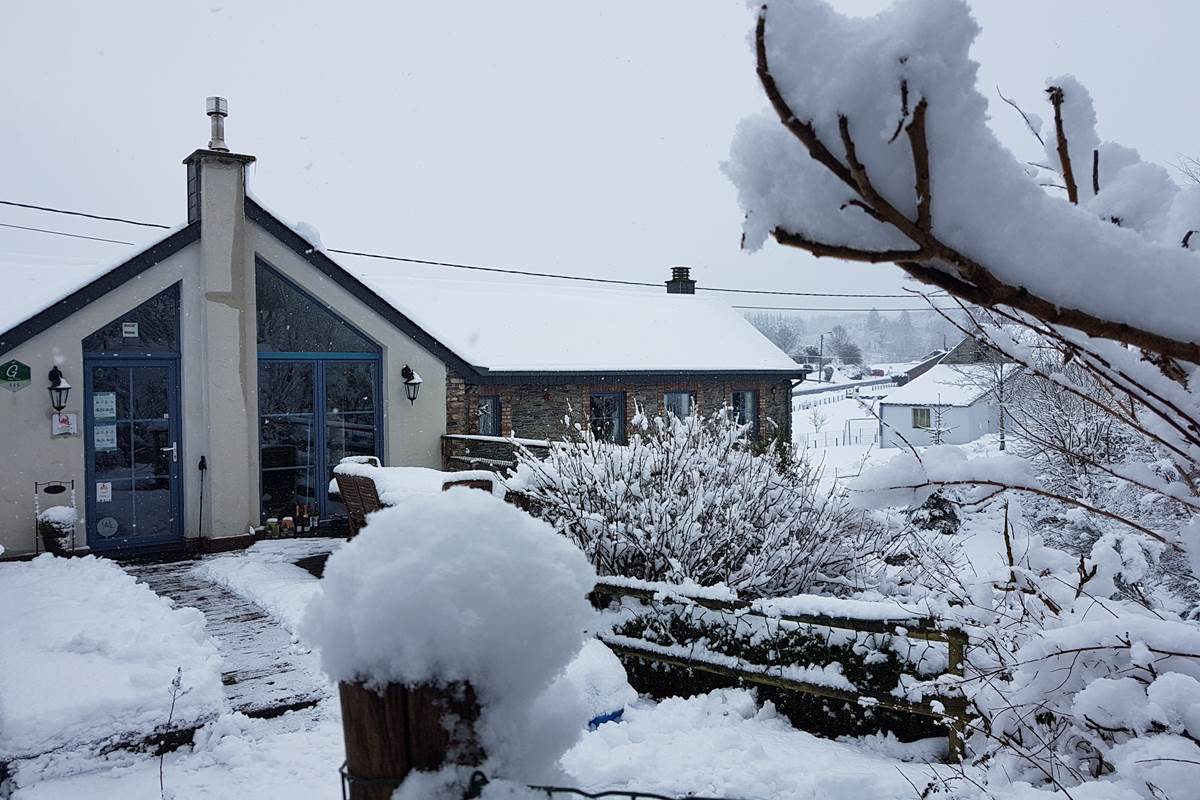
(319, 400)
(745, 409)
(607, 416)
(488, 415)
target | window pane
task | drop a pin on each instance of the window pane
(681, 404)
(284, 489)
(151, 327)
(745, 409)
(489, 416)
(920, 418)
(350, 418)
(287, 434)
(291, 321)
(608, 417)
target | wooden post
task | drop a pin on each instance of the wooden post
(404, 728)
(956, 707)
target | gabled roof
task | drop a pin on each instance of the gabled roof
(38, 294)
(484, 331)
(946, 384)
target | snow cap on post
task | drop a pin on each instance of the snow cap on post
(460, 587)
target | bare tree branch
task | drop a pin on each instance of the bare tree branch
(920, 156)
(1024, 116)
(1064, 154)
(822, 249)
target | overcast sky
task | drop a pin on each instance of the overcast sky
(579, 137)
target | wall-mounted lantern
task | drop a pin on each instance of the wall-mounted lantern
(59, 389)
(412, 383)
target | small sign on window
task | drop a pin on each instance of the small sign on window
(104, 405)
(104, 437)
(129, 330)
(104, 492)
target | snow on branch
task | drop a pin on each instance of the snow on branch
(832, 180)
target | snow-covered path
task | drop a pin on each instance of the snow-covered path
(265, 671)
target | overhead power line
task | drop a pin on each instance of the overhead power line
(842, 310)
(474, 267)
(82, 214)
(61, 233)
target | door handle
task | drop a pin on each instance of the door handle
(174, 449)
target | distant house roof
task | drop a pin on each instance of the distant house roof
(945, 384)
(492, 328)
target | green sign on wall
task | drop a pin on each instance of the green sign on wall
(14, 375)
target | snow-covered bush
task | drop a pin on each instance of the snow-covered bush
(55, 526)
(869, 663)
(693, 500)
(460, 587)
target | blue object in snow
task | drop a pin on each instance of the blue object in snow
(612, 716)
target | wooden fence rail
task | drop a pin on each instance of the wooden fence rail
(949, 707)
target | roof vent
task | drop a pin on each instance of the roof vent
(681, 281)
(217, 109)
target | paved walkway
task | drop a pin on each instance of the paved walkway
(266, 671)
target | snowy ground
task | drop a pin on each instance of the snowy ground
(88, 655)
(720, 744)
(842, 418)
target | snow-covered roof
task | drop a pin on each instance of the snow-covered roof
(945, 384)
(505, 327)
(35, 282)
(537, 327)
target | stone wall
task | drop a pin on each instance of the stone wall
(532, 411)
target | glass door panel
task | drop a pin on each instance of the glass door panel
(351, 414)
(287, 435)
(132, 447)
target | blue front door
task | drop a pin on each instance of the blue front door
(131, 425)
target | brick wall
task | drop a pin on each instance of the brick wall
(537, 412)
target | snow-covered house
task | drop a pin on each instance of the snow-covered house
(236, 343)
(953, 402)
(948, 404)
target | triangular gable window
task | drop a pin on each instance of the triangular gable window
(292, 321)
(152, 327)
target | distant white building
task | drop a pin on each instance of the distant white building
(956, 398)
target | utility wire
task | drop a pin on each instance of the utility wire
(82, 214)
(841, 310)
(61, 233)
(474, 267)
(492, 269)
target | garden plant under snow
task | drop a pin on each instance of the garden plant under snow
(695, 501)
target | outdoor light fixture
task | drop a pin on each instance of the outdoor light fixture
(59, 389)
(412, 383)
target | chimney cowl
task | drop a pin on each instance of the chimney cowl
(217, 109)
(681, 281)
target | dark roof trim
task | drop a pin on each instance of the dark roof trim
(99, 287)
(339, 275)
(618, 377)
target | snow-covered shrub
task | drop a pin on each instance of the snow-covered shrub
(55, 526)
(460, 587)
(864, 662)
(693, 500)
(935, 514)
